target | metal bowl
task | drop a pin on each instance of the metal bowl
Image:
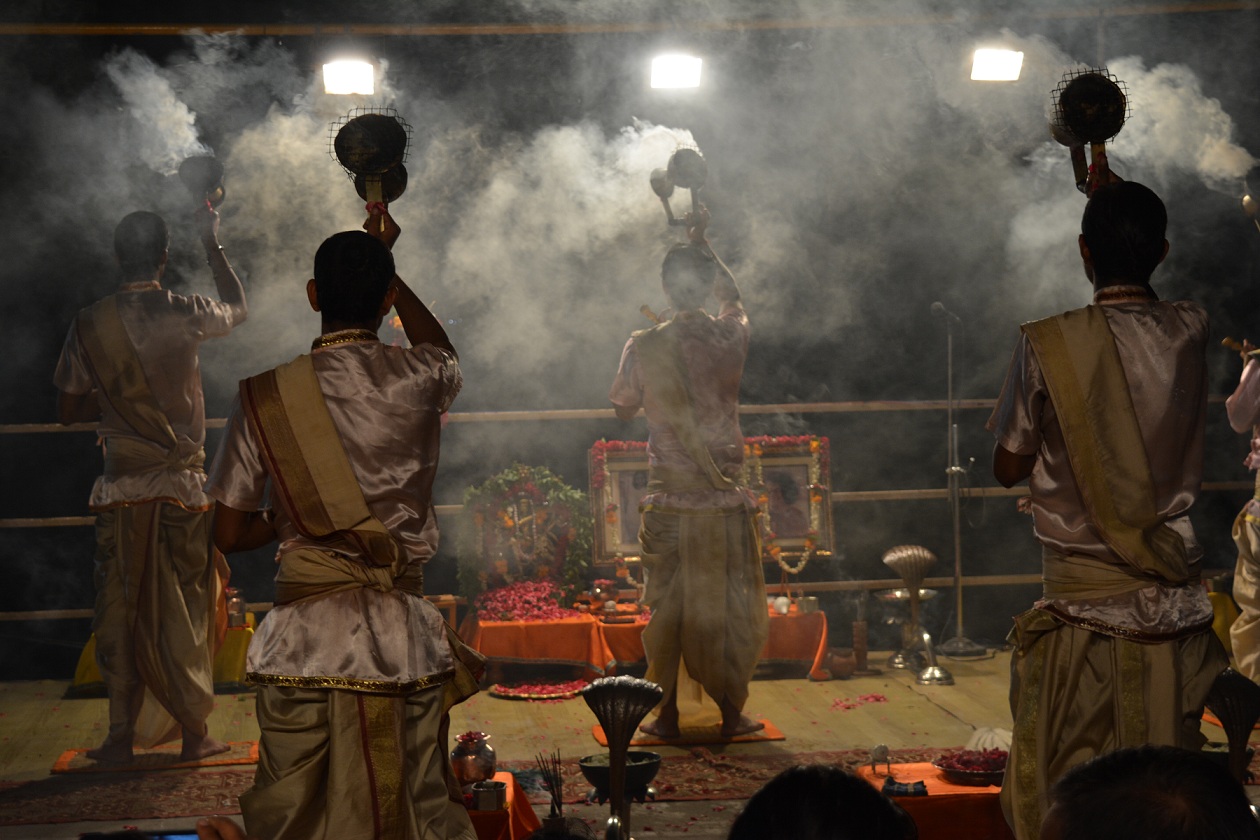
(641, 768)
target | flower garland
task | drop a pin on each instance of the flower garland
(819, 451)
(522, 525)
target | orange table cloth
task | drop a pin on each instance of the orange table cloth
(514, 822)
(949, 811)
(567, 641)
(794, 638)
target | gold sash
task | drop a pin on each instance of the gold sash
(661, 357)
(1087, 385)
(319, 491)
(121, 376)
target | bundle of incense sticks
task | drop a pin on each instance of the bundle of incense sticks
(549, 766)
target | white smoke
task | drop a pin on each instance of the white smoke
(166, 131)
(1176, 129)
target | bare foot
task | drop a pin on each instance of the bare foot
(742, 726)
(196, 748)
(658, 729)
(108, 753)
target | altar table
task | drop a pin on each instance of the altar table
(949, 811)
(577, 641)
(514, 822)
(601, 648)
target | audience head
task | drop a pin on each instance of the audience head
(352, 275)
(817, 802)
(140, 242)
(687, 276)
(1151, 793)
(1123, 228)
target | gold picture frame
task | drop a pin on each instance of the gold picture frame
(790, 476)
(618, 475)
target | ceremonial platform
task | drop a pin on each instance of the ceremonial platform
(700, 788)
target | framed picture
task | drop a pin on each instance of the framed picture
(791, 477)
(619, 475)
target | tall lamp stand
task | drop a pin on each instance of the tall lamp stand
(959, 647)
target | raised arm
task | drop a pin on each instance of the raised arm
(725, 288)
(420, 325)
(226, 282)
(1243, 406)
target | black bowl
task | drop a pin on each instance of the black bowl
(641, 769)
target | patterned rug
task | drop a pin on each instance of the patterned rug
(693, 735)
(72, 797)
(701, 775)
(707, 775)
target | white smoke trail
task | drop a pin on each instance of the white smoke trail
(166, 131)
(1177, 129)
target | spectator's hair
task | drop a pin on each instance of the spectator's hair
(819, 802)
(1124, 225)
(687, 275)
(352, 274)
(1152, 793)
(140, 241)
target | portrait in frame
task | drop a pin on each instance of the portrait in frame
(792, 479)
(790, 476)
(618, 473)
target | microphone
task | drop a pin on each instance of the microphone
(938, 308)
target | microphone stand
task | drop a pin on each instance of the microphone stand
(959, 647)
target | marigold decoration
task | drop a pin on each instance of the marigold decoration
(817, 451)
(524, 525)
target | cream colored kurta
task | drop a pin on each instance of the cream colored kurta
(1161, 349)
(166, 331)
(387, 402)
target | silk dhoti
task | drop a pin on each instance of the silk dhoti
(1076, 694)
(155, 603)
(1244, 633)
(345, 765)
(708, 599)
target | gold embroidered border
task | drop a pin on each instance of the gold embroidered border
(350, 683)
(170, 500)
(382, 749)
(1096, 626)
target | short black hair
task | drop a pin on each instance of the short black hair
(687, 275)
(140, 240)
(821, 802)
(1153, 793)
(1124, 225)
(352, 275)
